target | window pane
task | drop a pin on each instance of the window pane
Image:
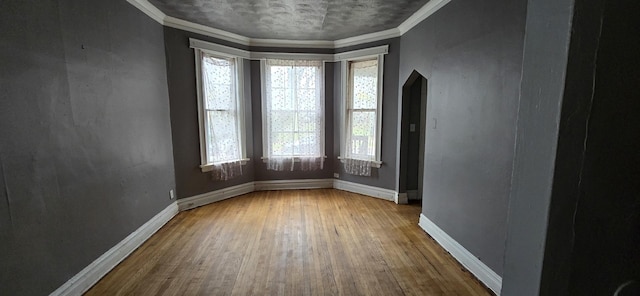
(283, 121)
(308, 121)
(281, 99)
(363, 133)
(223, 134)
(217, 79)
(293, 110)
(280, 76)
(364, 82)
(222, 139)
(306, 144)
(282, 144)
(305, 77)
(307, 99)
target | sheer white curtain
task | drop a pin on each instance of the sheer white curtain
(226, 170)
(293, 114)
(361, 118)
(221, 116)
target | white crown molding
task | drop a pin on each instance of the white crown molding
(361, 53)
(292, 43)
(423, 13)
(214, 196)
(218, 49)
(428, 9)
(177, 23)
(487, 276)
(366, 38)
(91, 274)
(149, 9)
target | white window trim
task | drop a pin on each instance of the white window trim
(351, 57)
(204, 165)
(263, 88)
(232, 52)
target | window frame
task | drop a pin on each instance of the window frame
(263, 86)
(346, 101)
(206, 166)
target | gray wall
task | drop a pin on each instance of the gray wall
(385, 176)
(470, 52)
(544, 68)
(181, 73)
(85, 156)
(191, 181)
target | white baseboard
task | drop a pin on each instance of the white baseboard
(365, 190)
(91, 274)
(293, 184)
(487, 276)
(213, 196)
(402, 198)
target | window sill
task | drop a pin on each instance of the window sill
(295, 159)
(209, 166)
(374, 163)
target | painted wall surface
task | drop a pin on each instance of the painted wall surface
(570, 155)
(386, 175)
(544, 68)
(85, 155)
(191, 181)
(181, 77)
(470, 52)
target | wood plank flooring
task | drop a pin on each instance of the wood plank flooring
(297, 242)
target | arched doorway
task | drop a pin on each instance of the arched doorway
(412, 138)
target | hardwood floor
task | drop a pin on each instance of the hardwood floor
(297, 242)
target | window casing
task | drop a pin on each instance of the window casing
(220, 108)
(362, 109)
(293, 109)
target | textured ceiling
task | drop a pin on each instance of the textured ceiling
(293, 19)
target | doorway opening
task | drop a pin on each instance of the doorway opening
(412, 138)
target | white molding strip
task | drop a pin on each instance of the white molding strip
(401, 199)
(487, 276)
(292, 43)
(365, 190)
(289, 56)
(91, 274)
(177, 23)
(361, 53)
(423, 13)
(293, 184)
(149, 9)
(214, 196)
(223, 50)
(366, 38)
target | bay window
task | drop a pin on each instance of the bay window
(293, 114)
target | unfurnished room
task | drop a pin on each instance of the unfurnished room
(334, 147)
